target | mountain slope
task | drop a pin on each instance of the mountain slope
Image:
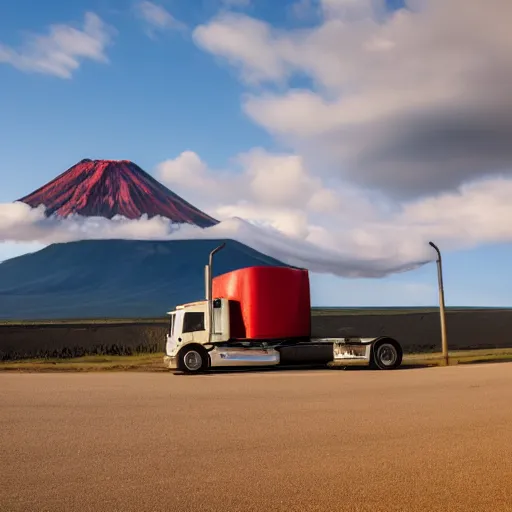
(114, 278)
(113, 187)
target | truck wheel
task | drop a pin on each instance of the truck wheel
(193, 360)
(386, 355)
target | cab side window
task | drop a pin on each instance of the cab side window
(193, 322)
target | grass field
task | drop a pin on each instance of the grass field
(154, 362)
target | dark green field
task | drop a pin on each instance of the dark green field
(417, 329)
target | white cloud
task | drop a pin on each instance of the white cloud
(243, 41)
(290, 222)
(410, 103)
(157, 17)
(62, 49)
(187, 168)
(21, 223)
(189, 175)
(272, 189)
(278, 180)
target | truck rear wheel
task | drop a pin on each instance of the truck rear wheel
(386, 355)
(193, 360)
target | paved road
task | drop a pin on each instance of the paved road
(411, 440)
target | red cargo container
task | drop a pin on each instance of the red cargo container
(266, 302)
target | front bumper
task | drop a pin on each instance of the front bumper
(171, 362)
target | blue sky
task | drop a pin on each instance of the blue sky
(159, 96)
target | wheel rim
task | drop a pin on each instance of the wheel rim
(387, 355)
(193, 360)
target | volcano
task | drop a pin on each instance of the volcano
(107, 188)
(114, 278)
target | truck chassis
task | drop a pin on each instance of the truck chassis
(383, 353)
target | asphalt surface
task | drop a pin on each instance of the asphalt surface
(411, 440)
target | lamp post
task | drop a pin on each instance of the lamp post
(444, 341)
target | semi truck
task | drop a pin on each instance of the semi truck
(260, 316)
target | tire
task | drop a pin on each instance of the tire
(386, 355)
(193, 359)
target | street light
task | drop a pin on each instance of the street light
(444, 341)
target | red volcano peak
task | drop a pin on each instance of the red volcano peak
(106, 188)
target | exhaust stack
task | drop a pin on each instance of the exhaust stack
(208, 274)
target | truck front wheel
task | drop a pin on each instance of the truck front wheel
(386, 355)
(193, 359)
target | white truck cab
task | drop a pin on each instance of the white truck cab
(186, 327)
(189, 325)
(193, 347)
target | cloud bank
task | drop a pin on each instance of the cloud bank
(295, 217)
(21, 223)
(278, 191)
